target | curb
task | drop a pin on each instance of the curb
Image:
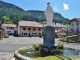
(18, 56)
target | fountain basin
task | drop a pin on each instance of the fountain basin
(28, 53)
(71, 53)
(18, 56)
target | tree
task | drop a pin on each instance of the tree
(6, 20)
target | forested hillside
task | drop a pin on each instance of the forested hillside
(11, 14)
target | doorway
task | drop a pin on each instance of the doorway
(29, 35)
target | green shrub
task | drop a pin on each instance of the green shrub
(55, 51)
(37, 46)
(69, 40)
(60, 46)
(78, 40)
(62, 39)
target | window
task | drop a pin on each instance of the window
(22, 33)
(11, 27)
(39, 33)
(39, 29)
(8, 32)
(24, 28)
(29, 28)
(25, 33)
(77, 23)
(7, 28)
(34, 29)
(72, 24)
(34, 33)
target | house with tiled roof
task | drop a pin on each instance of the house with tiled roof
(29, 28)
(74, 25)
(8, 28)
(59, 27)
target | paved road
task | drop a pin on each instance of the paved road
(13, 43)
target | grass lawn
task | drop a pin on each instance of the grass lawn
(47, 58)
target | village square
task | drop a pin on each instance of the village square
(32, 40)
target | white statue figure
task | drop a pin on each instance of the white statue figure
(49, 15)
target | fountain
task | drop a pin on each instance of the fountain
(49, 39)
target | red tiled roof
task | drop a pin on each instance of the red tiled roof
(9, 25)
(29, 23)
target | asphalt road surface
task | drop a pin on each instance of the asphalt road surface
(13, 43)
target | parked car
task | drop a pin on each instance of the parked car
(6, 35)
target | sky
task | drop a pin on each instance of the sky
(67, 8)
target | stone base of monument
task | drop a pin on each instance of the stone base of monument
(49, 41)
(46, 51)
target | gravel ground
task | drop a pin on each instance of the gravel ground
(6, 56)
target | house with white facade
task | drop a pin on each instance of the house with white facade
(74, 25)
(29, 28)
(8, 28)
(59, 27)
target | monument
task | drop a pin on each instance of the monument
(49, 39)
(49, 28)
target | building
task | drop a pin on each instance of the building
(59, 27)
(8, 28)
(74, 25)
(29, 28)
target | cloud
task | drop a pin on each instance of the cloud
(65, 6)
(56, 8)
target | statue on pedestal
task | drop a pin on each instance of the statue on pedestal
(49, 39)
(49, 28)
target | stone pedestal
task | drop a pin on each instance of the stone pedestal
(49, 39)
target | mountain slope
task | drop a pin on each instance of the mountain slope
(41, 17)
(10, 13)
